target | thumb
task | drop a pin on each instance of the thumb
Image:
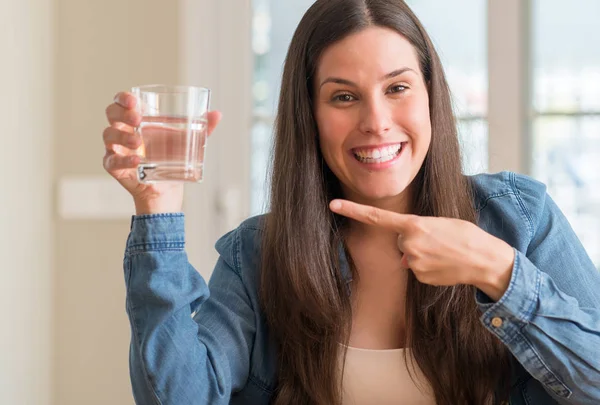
(214, 117)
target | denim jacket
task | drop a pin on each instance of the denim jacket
(193, 343)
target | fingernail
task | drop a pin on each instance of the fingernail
(335, 205)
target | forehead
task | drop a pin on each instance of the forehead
(372, 51)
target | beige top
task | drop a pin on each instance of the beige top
(381, 377)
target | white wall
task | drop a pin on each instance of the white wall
(26, 166)
(102, 47)
(105, 47)
(65, 333)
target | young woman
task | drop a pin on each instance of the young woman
(382, 274)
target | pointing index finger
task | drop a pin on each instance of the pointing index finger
(370, 215)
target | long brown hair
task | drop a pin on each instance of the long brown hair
(303, 292)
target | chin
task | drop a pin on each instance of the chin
(386, 192)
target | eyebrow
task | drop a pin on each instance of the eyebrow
(390, 75)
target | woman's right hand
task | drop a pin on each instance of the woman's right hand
(121, 161)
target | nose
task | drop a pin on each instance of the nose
(376, 117)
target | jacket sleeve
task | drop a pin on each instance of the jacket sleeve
(549, 317)
(189, 345)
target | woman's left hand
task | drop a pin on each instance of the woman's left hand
(442, 251)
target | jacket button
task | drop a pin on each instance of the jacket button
(496, 322)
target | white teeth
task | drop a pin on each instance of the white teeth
(378, 155)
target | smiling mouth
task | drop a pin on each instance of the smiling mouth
(378, 155)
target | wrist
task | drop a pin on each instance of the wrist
(497, 271)
(155, 207)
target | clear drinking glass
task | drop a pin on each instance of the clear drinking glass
(173, 131)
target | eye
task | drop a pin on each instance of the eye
(398, 88)
(344, 98)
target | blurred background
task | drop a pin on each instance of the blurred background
(525, 77)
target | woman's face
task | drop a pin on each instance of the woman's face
(372, 111)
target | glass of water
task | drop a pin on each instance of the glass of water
(174, 129)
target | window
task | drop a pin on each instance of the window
(459, 33)
(566, 111)
(273, 25)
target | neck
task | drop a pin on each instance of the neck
(401, 204)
